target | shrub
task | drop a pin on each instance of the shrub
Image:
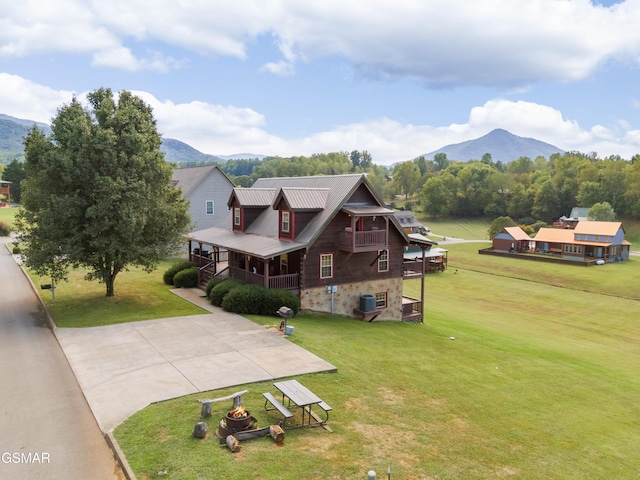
(16, 250)
(175, 268)
(5, 230)
(212, 283)
(279, 298)
(187, 278)
(219, 291)
(244, 299)
(259, 300)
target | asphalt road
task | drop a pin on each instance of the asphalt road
(47, 430)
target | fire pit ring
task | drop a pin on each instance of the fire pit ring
(238, 422)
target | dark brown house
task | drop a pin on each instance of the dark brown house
(330, 239)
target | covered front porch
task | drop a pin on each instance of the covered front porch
(275, 269)
(282, 271)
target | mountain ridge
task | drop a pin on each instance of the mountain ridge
(13, 130)
(503, 146)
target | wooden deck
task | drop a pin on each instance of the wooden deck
(551, 257)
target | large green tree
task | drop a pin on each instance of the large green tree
(406, 178)
(98, 192)
(602, 212)
(435, 197)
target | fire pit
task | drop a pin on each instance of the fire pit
(238, 419)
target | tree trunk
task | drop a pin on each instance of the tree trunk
(109, 281)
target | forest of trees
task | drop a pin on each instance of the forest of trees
(527, 190)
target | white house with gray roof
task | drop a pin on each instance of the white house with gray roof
(207, 188)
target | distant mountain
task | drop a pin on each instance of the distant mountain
(243, 156)
(176, 151)
(502, 145)
(12, 132)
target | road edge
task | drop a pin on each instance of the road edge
(108, 436)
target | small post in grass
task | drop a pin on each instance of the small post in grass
(50, 286)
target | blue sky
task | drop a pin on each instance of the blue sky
(284, 77)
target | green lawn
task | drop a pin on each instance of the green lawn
(138, 296)
(508, 377)
(7, 214)
(467, 228)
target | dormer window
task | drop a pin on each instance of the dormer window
(237, 219)
(285, 221)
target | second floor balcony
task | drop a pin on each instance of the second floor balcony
(363, 241)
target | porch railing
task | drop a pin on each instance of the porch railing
(290, 281)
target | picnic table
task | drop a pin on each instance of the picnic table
(299, 396)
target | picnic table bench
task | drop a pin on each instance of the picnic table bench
(298, 396)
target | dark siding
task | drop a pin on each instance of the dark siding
(350, 268)
(250, 215)
(302, 220)
(363, 195)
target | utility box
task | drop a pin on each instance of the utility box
(367, 303)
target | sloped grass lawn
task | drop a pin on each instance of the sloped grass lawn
(138, 296)
(540, 382)
(617, 279)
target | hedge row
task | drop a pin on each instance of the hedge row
(259, 300)
(171, 272)
(187, 278)
(212, 283)
(219, 291)
(235, 296)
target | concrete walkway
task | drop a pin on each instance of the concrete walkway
(123, 368)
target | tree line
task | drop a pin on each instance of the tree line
(525, 189)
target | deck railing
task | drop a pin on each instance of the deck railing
(362, 240)
(290, 281)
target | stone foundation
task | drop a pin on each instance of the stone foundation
(348, 297)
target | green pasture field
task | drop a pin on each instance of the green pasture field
(618, 279)
(521, 370)
(477, 228)
(138, 296)
(467, 228)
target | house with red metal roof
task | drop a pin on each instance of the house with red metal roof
(329, 239)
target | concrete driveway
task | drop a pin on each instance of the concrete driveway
(123, 368)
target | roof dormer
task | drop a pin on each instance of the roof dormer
(297, 207)
(247, 204)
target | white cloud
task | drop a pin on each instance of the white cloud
(224, 130)
(23, 99)
(440, 42)
(282, 68)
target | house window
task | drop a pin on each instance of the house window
(285, 221)
(326, 265)
(209, 207)
(573, 249)
(381, 300)
(383, 260)
(236, 216)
